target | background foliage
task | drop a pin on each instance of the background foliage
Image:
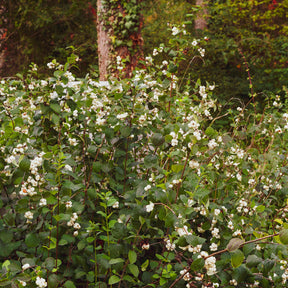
(39, 31)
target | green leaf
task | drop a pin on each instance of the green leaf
(253, 260)
(237, 258)
(62, 242)
(145, 265)
(241, 273)
(24, 165)
(129, 25)
(283, 236)
(267, 266)
(265, 283)
(32, 240)
(55, 119)
(197, 264)
(100, 285)
(92, 149)
(234, 244)
(172, 68)
(157, 139)
(53, 281)
(133, 269)
(260, 208)
(194, 240)
(59, 88)
(6, 264)
(97, 166)
(177, 168)
(56, 108)
(132, 256)
(4, 282)
(125, 131)
(115, 261)
(6, 236)
(113, 280)
(210, 131)
(23, 277)
(119, 231)
(8, 248)
(10, 219)
(72, 186)
(49, 263)
(111, 202)
(150, 161)
(69, 284)
(201, 193)
(128, 278)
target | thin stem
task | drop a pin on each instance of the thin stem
(171, 88)
(245, 243)
(95, 257)
(223, 251)
(125, 165)
(249, 77)
(178, 279)
(182, 176)
(165, 206)
(90, 173)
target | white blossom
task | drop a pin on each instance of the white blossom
(25, 266)
(67, 167)
(175, 31)
(150, 207)
(217, 212)
(212, 144)
(41, 282)
(68, 204)
(145, 246)
(77, 226)
(213, 247)
(115, 205)
(210, 265)
(122, 116)
(43, 202)
(148, 187)
(194, 42)
(193, 164)
(28, 215)
(169, 246)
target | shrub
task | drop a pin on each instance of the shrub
(136, 183)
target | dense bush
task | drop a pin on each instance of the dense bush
(129, 183)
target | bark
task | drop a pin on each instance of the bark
(200, 21)
(104, 43)
(107, 54)
(2, 40)
(133, 53)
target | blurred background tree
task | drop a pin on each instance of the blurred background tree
(41, 30)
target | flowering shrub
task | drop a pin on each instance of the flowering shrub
(135, 183)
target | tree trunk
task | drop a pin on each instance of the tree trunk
(2, 40)
(104, 42)
(200, 21)
(134, 52)
(130, 48)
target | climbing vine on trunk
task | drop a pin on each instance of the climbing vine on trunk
(119, 36)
